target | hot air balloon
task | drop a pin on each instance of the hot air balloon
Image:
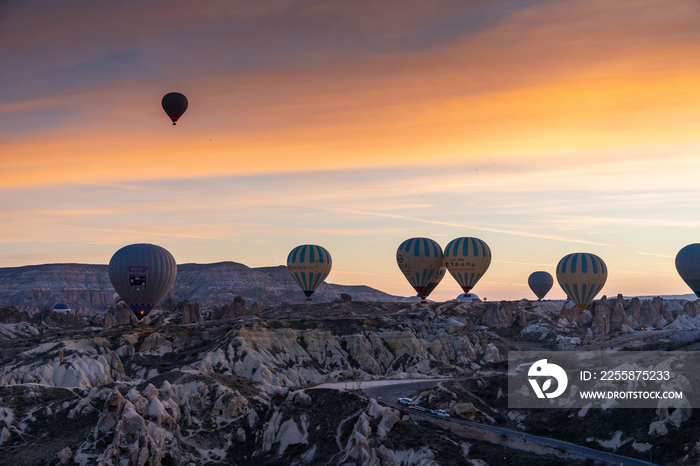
(688, 266)
(467, 298)
(142, 274)
(174, 105)
(63, 308)
(467, 259)
(309, 265)
(435, 281)
(581, 275)
(420, 260)
(540, 283)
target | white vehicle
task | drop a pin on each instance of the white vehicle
(405, 401)
(441, 413)
(523, 367)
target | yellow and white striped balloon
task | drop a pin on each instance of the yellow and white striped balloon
(581, 275)
(420, 260)
(467, 260)
(309, 265)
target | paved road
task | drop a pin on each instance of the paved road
(682, 337)
(388, 393)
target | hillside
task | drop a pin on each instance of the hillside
(86, 287)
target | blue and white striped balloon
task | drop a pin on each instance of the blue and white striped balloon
(309, 265)
(419, 259)
(581, 275)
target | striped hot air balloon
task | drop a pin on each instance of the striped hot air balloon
(540, 283)
(309, 265)
(142, 274)
(420, 260)
(467, 259)
(581, 275)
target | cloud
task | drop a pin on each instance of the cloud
(534, 80)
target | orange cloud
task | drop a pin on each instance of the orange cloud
(544, 80)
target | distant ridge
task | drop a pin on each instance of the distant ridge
(86, 287)
(687, 297)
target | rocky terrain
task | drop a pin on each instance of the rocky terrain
(179, 388)
(87, 288)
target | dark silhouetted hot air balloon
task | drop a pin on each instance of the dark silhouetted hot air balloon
(688, 266)
(142, 274)
(581, 275)
(540, 283)
(62, 308)
(309, 265)
(420, 260)
(467, 260)
(174, 105)
(435, 281)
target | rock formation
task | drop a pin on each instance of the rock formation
(498, 315)
(235, 391)
(118, 316)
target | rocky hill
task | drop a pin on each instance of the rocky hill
(242, 390)
(86, 287)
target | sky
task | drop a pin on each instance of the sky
(541, 127)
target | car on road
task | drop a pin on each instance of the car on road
(405, 401)
(441, 413)
(524, 366)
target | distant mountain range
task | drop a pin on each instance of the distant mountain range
(86, 287)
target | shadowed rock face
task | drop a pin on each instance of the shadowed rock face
(219, 391)
(47, 317)
(86, 288)
(498, 315)
(12, 315)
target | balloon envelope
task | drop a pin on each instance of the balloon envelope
(142, 274)
(540, 283)
(467, 297)
(61, 307)
(467, 259)
(309, 265)
(581, 275)
(174, 105)
(688, 266)
(420, 260)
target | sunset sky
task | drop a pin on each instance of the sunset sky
(541, 127)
